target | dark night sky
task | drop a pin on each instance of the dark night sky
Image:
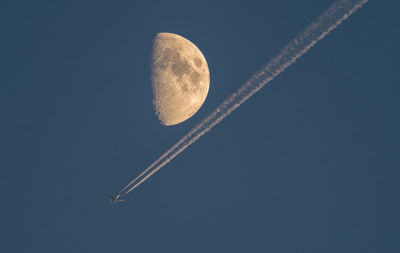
(309, 164)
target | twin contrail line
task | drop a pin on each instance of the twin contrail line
(317, 30)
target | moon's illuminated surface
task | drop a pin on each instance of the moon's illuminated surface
(180, 78)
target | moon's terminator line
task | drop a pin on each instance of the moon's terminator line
(317, 30)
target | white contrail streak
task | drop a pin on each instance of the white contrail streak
(317, 30)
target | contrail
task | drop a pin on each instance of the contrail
(317, 30)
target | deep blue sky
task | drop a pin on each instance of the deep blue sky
(309, 164)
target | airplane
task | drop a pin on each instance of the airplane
(116, 199)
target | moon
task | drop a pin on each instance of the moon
(180, 78)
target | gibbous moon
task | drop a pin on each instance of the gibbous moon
(180, 78)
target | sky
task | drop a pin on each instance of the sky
(308, 164)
